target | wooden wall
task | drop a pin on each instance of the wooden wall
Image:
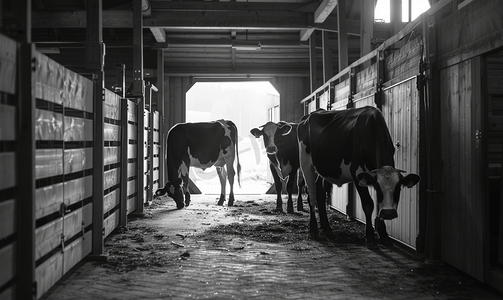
(463, 202)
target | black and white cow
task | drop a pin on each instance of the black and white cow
(280, 141)
(351, 145)
(200, 145)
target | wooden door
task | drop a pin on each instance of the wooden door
(463, 199)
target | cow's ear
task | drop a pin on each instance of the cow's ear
(179, 181)
(285, 129)
(366, 179)
(410, 180)
(256, 132)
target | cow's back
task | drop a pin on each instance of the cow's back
(203, 141)
(358, 138)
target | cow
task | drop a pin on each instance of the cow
(351, 145)
(200, 145)
(280, 141)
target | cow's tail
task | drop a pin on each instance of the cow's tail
(238, 165)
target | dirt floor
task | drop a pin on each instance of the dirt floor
(250, 251)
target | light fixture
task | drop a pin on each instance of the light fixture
(246, 45)
(48, 50)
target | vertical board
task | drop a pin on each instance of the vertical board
(462, 216)
(401, 112)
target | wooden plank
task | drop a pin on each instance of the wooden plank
(111, 200)
(78, 189)
(110, 223)
(7, 261)
(131, 205)
(7, 219)
(131, 187)
(48, 125)
(48, 162)
(87, 215)
(72, 224)
(132, 132)
(76, 251)
(111, 178)
(48, 273)
(112, 105)
(48, 237)
(131, 169)
(8, 70)
(111, 155)
(78, 129)
(78, 160)
(111, 132)
(7, 170)
(7, 121)
(48, 199)
(132, 111)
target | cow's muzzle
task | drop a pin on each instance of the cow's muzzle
(271, 150)
(388, 214)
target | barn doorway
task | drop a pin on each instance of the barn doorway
(248, 104)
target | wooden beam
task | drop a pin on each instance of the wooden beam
(343, 36)
(312, 62)
(367, 26)
(95, 63)
(324, 10)
(328, 70)
(159, 34)
(305, 34)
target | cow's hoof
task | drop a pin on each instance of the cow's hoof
(231, 203)
(372, 244)
(315, 236)
(220, 203)
(290, 211)
(278, 209)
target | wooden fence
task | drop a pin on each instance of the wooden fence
(47, 221)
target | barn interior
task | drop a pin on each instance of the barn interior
(157, 50)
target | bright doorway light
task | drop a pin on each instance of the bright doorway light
(246, 104)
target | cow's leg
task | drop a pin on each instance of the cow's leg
(278, 184)
(300, 188)
(310, 180)
(368, 208)
(289, 189)
(230, 175)
(222, 175)
(381, 230)
(185, 179)
(322, 207)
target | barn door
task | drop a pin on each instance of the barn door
(463, 199)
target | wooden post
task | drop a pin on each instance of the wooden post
(25, 176)
(366, 29)
(160, 109)
(139, 93)
(433, 180)
(95, 63)
(328, 70)
(312, 61)
(343, 35)
(380, 80)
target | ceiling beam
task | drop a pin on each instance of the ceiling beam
(324, 10)
(320, 15)
(192, 20)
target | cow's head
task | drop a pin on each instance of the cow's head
(269, 131)
(174, 190)
(388, 183)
